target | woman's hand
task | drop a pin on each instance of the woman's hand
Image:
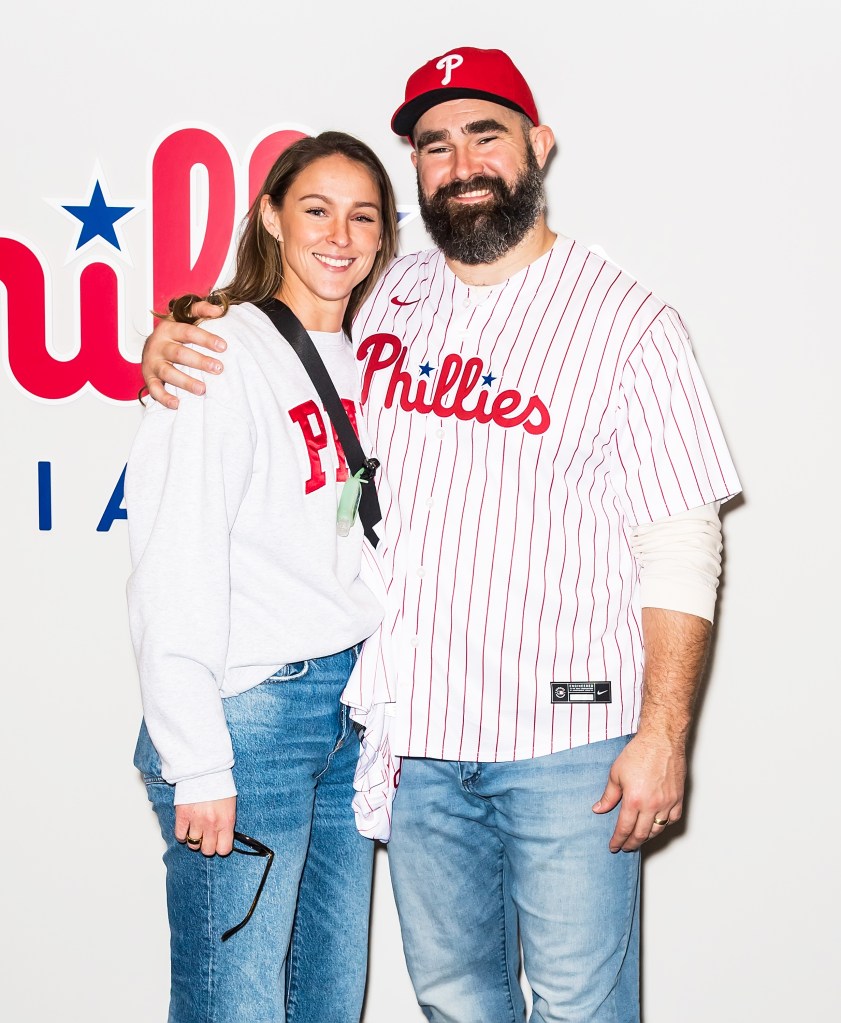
(164, 349)
(210, 823)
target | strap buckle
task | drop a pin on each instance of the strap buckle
(369, 468)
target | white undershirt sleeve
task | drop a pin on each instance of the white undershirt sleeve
(680, 561)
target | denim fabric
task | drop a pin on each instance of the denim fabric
(302, 957)
(484, 853)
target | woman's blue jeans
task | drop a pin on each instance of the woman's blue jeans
(302, 957)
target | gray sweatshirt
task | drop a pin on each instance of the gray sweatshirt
(237, 564)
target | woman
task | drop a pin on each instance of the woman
(243, 727)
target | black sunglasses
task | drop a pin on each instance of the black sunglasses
(254, 848)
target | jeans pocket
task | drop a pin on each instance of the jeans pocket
(146, 758)
(288, 672)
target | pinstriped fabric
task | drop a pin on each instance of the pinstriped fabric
(522, 428)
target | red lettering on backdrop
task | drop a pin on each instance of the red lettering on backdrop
(98, 360)
(173, 273)
(384, 352)
(109, 373)
(265, 155)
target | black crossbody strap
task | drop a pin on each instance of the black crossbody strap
(292, 329)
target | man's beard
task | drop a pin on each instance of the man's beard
(483, 232)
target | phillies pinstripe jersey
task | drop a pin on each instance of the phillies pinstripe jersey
(523, 429)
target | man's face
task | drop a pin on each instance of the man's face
(480, 182)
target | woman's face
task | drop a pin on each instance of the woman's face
(329, 228)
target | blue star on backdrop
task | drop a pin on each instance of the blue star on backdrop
(98, 218)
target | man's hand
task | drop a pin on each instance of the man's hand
(649, 775)
(164, 350)
(208, 827)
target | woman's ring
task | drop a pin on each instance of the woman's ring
(656, 821)
(192, 841)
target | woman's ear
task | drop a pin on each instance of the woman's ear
(269, 216)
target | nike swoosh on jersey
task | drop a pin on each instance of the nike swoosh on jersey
(397, 301)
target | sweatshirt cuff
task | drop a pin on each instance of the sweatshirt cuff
(219, 785)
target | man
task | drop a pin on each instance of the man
(552, 469)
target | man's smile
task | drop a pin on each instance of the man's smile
(476, 194)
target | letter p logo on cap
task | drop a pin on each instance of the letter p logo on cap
(448, 64)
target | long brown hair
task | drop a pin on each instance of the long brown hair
(259, 268)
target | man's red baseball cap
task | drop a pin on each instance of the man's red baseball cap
(459, 73)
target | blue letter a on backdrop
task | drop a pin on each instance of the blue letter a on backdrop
(114, 510)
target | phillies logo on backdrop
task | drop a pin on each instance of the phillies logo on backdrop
(178, 263)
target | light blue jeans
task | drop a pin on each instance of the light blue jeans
(302, 957)
(484, 853)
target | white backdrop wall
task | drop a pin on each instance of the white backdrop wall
(697, 146)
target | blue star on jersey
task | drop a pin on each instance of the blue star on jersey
(488, 379)
(98, 218)
(426, 370)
